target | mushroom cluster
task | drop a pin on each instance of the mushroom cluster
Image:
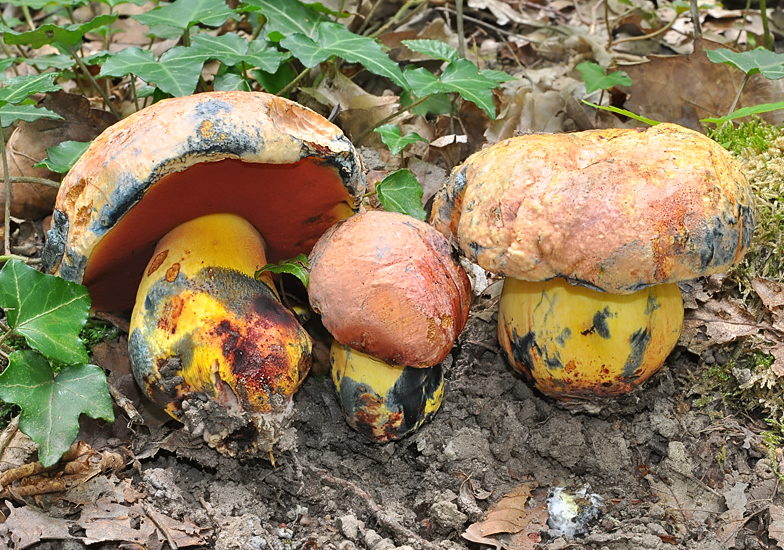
(395, 301)
(170, 213)
(592, 231)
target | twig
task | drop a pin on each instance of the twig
(7, 220)
(28, 179)
(369, 17)
(291, 85)
(394, 115)
(8, 434)
(382, 518)
(125, 404)
(460, 30)
(89, 76)
(150, 513)
(654, 34)
(483, 345)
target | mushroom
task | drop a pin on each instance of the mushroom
(394, 299)
(208, 342)
(592, 230)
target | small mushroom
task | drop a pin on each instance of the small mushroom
(210, 344)
(384, 402)
(395, 300)
(592, 230)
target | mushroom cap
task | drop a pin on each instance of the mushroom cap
(615, 210)
(284, 168)
(385, 284)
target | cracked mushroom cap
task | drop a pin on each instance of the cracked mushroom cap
(284, 168)
(615, 210)
(385, 284)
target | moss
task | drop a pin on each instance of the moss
(759, 147)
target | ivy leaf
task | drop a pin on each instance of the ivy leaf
(432, 48)
(276, 81)
(39, 4)
(390, 135)
(49, 61)
(63, 156)
(340, 41)
(422, 82)
(401, 192)
(306, 50)
(176, 73)
(230, 81)
(20, 88)
(596, 79)
(47, 310)
(51, 404)
(229, 49)
(770, 64)
(183, 14)
(287, 17)
(113, 3)
(48, 33)
(496, 76)
(297, 266)
(10, 113)
(463, 77)
(262, 55)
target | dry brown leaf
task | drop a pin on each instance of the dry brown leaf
(105, 521)
(686, 88)
(431, 177)
(27, 526)
(728, 531)
(717, 322)
(776, 527)
(516, 514)
(183, 533)
(770, 292)
(27, 146)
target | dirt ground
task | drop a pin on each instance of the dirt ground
(670, 475)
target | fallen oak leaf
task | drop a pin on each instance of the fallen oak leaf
(516, 514)
(776, 527)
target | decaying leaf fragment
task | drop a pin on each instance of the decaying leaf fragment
(514, 521)
(78, 465)
(776, 527)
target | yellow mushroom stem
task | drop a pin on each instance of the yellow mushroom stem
(384, 402)
(574, 342)
(203, 327)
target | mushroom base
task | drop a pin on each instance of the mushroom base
(578, 343)
(384, 402)
(206, 333)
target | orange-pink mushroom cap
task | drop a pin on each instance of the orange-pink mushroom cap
(385, 284)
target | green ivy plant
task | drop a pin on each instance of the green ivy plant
(52, 382)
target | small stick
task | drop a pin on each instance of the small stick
(483, 345)
(150, 513)
(382, 518)
(8, 434)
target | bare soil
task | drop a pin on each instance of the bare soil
(671, 475)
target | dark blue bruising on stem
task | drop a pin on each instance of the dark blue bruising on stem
(411, 393)
(600, 322)
(521, 350)
(639, 344)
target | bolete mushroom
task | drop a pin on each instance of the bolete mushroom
(395, 301)
(592, 230)
(209, 343)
